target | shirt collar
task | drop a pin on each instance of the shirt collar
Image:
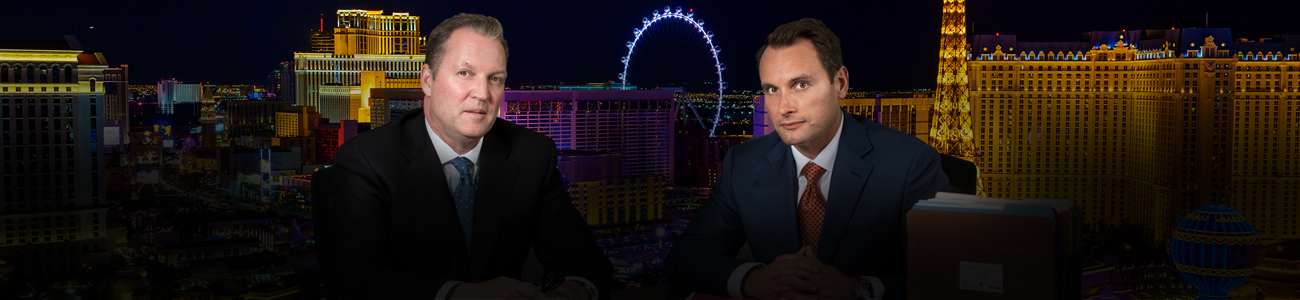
(446, 154)
(826, 158)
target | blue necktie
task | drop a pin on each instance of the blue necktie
(464, 197)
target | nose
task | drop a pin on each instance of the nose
(784, 107)
(480, 91)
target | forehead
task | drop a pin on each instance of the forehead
(464, 42)
(782, 63)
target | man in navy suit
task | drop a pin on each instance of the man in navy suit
(821, 203)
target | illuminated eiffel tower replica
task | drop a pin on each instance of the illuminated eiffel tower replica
(950, 127)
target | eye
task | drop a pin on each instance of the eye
(463, 73)
(801, 85)
(497, 79)
(771, 90)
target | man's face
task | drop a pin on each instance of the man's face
(803, 104)
(463, 99)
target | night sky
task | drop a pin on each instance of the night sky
(887, 45)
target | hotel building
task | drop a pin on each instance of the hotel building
(365, 40)
(1142, 125)
(52, 181)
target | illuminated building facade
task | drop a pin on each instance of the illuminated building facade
(636, 124)
(388, 104)
(362, 31)
(296, 121)
(294, 127)
(1142, 125)
(52, 181)
(365, 41)
(603, 196)
(905, 112)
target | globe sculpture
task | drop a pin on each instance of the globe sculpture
(1215, 249)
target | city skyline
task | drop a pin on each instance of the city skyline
(250, 40)
(183, 180)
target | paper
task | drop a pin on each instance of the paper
(981, 277)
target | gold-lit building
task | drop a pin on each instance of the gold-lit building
(360, 31)
(1143, 126)
(603, 195)
(294, 127)
(905, 112)
(365, 41)
(296, 121)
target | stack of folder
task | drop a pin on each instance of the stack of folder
(970, 247)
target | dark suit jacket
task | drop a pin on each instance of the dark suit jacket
(397, 234)
(879, 173)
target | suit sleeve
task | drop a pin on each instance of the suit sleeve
(703, 257)
(564, 241)
(364, 268)
(925, 178)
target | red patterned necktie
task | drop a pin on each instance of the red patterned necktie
(812, 207)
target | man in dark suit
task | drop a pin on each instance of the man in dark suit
(446, 202)
(821, 203)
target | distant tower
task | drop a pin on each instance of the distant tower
(950, 132)
(208, 116)
(950, 126)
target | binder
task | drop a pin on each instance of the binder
(970, 247)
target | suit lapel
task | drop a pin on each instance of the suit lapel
(496, 180)
(847, 179)
(780, 217)
(426, 181)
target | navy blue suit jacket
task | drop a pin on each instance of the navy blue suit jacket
(879, 174)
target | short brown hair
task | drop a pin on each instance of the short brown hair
(435, 45)
(823, 40)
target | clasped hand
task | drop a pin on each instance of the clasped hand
(798, 276)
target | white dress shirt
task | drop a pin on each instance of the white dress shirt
(824, 159)
(445, 155)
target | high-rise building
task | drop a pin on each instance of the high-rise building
(329, 136)
(252, 117)
(296, 121)
(905, 112)
(389, 103)
(172, 92)
(360, 31)
(52, 184)
(322, 42)
(635, 124)
(1142, 125)
(285, 90)
(294, 127)
(603, 196)
(364, 41)
(117, 97)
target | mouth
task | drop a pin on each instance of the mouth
(476, 112)
(791, 124)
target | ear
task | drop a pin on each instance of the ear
(426, 79)
(842, 82)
